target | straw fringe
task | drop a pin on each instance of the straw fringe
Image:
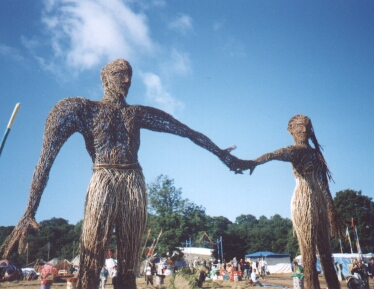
(311, 223)
(115, 199)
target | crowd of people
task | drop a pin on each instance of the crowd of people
(244, 269)
(363, 271)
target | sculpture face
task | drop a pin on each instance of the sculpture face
(119, 82)
(300, 127)
(116, 77)
(300, 132)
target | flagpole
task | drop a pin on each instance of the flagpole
(159, 235)
(49, 245)
(145, 244)
(27, 255)
(15, 111)
(349, 239)
(359, 252)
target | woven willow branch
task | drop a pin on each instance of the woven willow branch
(116, 194)
(313, 214)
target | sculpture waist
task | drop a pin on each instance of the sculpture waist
(134, 166)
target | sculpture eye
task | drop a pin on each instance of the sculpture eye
(119, 73)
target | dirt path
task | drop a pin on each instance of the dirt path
(279, 280)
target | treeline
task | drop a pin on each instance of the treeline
(182, 220)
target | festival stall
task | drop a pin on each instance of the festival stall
(276, 263)
(345, 259)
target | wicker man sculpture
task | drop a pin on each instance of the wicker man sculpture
(116, 195)
(313, 214)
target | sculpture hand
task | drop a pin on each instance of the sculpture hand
(235, 164)
(248, 165)
(18, 235)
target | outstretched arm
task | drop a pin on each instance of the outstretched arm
(284, 154)
(61, 123)
(158, 120)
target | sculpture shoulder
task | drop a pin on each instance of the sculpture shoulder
(74, 106)
(74, 103)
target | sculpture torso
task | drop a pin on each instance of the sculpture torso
(111, 132)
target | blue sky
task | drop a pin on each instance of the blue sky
(236, 71)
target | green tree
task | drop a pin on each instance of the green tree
(179, 218)
(354, 205)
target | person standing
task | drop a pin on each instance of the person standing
(246, 274)
(103, 276)
(371, 268)
(114, 277)
(148, 273)
(241, 267)
(235, 264)
(364, 272)
(263, 266)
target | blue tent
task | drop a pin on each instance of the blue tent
(265, 254)
(276, 262)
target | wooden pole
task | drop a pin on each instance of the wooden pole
(15, 111)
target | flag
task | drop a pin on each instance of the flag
(49, 245)
(349, 238)
(358, 245)
(341, 246)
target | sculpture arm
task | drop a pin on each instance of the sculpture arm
(283, 154)
(61, 123)
(158, 120)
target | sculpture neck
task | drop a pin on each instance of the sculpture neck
(116, 99)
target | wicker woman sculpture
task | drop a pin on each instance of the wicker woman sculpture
(116, 195)
(313, 214)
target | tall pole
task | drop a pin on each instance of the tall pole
(371, 226)
(9, 126)
(73, 249)
(27, 255)
(221, 249)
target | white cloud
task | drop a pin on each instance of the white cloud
(10, 53)
(178, 62)
(89, 32)
(182, 24)
(85, 34)
(158, 95)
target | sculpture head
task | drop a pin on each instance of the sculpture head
(116, 77)
(300, 127)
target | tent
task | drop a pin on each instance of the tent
(341, 258)
(75, 261)
(277, 263)
(9, 271)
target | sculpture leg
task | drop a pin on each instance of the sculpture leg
(99, 218)
(130, 227)
(304, 223)
(325, 255)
